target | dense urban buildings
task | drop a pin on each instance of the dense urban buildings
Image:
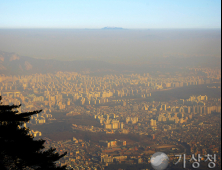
(132, 124)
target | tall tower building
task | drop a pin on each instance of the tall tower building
(164, 106)
(151, 82)
(153, 122)
(194, 109)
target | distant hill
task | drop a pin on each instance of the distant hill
(113, 28)
(13, 64)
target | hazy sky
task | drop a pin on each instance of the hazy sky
(102, 13)
(110, 45)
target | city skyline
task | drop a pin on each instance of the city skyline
(121, 120)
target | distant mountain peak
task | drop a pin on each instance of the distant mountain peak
(113, 28)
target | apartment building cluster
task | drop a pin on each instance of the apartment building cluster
(59, 91)
(162, 132)
(113, 143)
(40, 118)
(31, 132)
(132, 120)
(77, 94)
(109, 123)
(35, 133)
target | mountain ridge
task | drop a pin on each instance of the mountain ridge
(113, 28)
(13, 64)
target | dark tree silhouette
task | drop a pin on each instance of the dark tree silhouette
(18, 149)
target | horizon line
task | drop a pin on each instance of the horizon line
(104, 28)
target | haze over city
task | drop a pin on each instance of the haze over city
(117, 82)
(111, 45)
(149, 29)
